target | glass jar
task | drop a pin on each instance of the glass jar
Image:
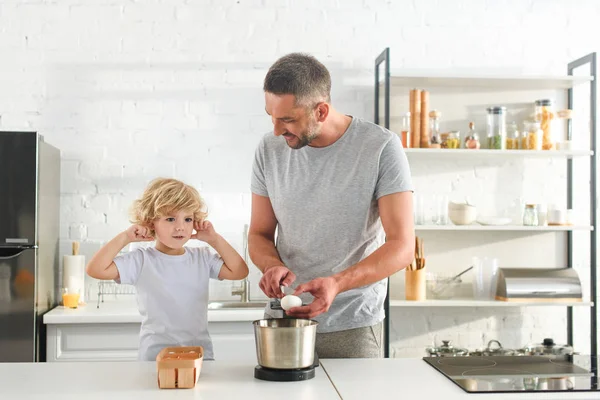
(531, 139)
(447, 350)
(496, 128)
(530, 217)
(405, 132)
(512, 137)
(450, 140)
(544, 114)
(472, 138)
(435, 140)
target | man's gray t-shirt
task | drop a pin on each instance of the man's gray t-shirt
(325, 202)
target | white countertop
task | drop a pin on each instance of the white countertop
(138, 380)
(411, 378)
(127, 312)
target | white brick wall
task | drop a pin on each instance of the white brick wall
(132, 90)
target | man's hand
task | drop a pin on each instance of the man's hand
(323, 290)
(275, 277)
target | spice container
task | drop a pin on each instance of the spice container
(450, 140)
(405, 132)
(512, 137)
(434, 129)
(544, 114)
(472, 138)
(531, 139)
(496, 128)
(530, 216)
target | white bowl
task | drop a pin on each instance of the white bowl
(462, 214)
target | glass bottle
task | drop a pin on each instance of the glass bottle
(496, 128)
(405, 132)
(530, 217)
(512, 136)
(544, 114)
(434, 129)
(472, 138)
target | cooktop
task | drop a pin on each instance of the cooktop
(500, 374)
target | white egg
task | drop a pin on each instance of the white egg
(290, 301)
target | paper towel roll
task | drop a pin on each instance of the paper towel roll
(74, 274)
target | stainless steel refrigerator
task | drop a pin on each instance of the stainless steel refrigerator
(29, 234)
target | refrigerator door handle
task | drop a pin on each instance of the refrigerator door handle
(12, 252)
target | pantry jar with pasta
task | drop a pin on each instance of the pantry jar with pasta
(512, 137)
(544, 114)
(496, 128)
(531, 139)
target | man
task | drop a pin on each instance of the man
(328, 182)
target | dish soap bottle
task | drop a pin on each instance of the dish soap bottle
(472, 138)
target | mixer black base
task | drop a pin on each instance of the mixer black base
(283, 375)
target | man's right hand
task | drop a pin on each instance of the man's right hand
(275, 277)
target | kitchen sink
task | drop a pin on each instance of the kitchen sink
(216, 305)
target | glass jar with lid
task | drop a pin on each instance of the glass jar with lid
(450, 140)
(512, 136)
(435, 140)
(472, 138)
(544, 114)
(447, 350)
(496, 128)
(531, 139)
(530, 216)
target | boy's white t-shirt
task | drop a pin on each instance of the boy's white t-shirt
(172, 296)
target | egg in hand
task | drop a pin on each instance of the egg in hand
(290, 301)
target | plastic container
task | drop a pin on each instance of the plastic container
(544, 114)
(485, 278)
(496, 128)
(179, 367)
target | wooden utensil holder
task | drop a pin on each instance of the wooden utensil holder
(179, 367)
(415, 284)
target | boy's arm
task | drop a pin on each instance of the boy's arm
(234, 267)
(102, 266)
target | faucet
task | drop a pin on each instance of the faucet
(244, 290)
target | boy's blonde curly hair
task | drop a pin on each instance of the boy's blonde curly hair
(164, 196)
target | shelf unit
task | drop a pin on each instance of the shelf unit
(401, 79)
(484, 303)
(500, 154)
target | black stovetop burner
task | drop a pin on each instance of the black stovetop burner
(284, 375)
(502, 374)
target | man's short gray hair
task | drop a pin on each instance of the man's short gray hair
(302, 75)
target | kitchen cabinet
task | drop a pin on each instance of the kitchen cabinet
(232, 341)
(465, 96)
(110, 333)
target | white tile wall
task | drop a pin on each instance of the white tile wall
(132, 90)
